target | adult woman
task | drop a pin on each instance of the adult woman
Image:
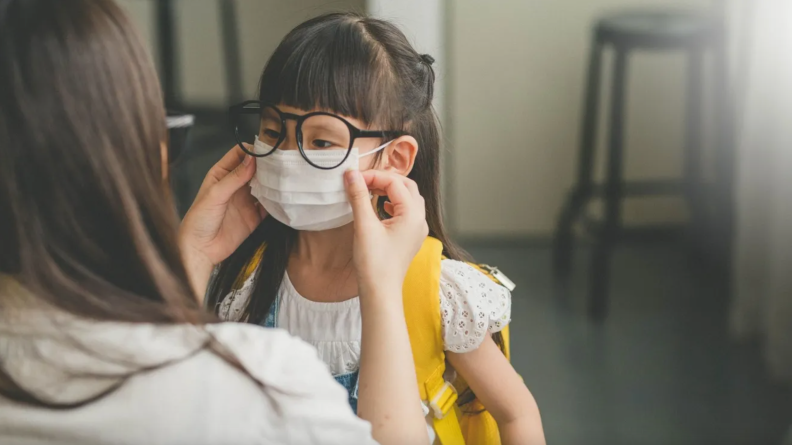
(101, 337)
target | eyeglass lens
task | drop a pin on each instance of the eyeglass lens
(318, 133)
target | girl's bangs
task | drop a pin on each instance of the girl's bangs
(331, 69)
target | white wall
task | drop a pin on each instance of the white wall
(423, 22)
(516, 79)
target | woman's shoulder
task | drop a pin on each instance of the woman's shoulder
(272, 356)
(471, 305)
(294, 380)
(243, 337)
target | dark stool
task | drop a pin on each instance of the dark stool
(627, 32)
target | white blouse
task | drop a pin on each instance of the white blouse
(190, 396)
(470, 303)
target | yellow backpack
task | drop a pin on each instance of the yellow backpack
(453, 425)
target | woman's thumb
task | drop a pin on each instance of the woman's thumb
(236, 179)
(359, 197)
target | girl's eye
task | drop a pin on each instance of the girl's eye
(271, 134)
(321, 144)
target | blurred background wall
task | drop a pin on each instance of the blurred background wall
(517, 72)
(261, 24)
(510, 88)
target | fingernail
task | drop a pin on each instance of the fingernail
(352, 176)
(246, 161)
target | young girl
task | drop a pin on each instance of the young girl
(342, 92)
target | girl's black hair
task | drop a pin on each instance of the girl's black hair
(355, 66)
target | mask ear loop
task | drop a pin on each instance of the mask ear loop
(380, 148)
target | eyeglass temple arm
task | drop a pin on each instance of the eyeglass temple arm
(379, 134)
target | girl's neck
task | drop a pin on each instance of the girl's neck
(326, 250)
(320, 267)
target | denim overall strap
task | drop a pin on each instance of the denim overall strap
(349, 381)
(272, 316)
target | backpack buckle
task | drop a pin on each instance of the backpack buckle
(500, 277)
(443, 401)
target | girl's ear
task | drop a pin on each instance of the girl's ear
(400, 155)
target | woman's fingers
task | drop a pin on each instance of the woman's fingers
(388, 207)
(239, 177)
(394, 187)
(378, 180)
(412, 187)
(389, 184)
(229, 161)
(358, 194)
(222, 168)
(249, 208)
(261, 210)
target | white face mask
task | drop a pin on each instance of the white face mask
(302, 196)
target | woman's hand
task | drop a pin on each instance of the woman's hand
(222, 216)
(388, 394)
(383, 250)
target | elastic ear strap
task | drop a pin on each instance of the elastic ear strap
(380, 148)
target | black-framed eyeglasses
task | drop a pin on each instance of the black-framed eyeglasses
(315, 132)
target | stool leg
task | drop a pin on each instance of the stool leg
(233, 62)
(166, 39)
(578, 198)
(600, 266)
(692, 167)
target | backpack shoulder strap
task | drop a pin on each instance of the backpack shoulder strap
(251, 267)
(421, 295)
(211, 299)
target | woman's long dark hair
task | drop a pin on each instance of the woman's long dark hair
(85, 223)
(355, 66)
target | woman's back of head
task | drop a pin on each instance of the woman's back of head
(85, 223)
(87, 229)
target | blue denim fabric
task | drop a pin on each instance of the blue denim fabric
(350, 383)
(272, 316)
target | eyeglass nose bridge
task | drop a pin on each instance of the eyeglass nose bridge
(284, 136)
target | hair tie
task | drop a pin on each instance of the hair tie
(427, 59)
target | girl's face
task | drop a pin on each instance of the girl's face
(327, 133)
